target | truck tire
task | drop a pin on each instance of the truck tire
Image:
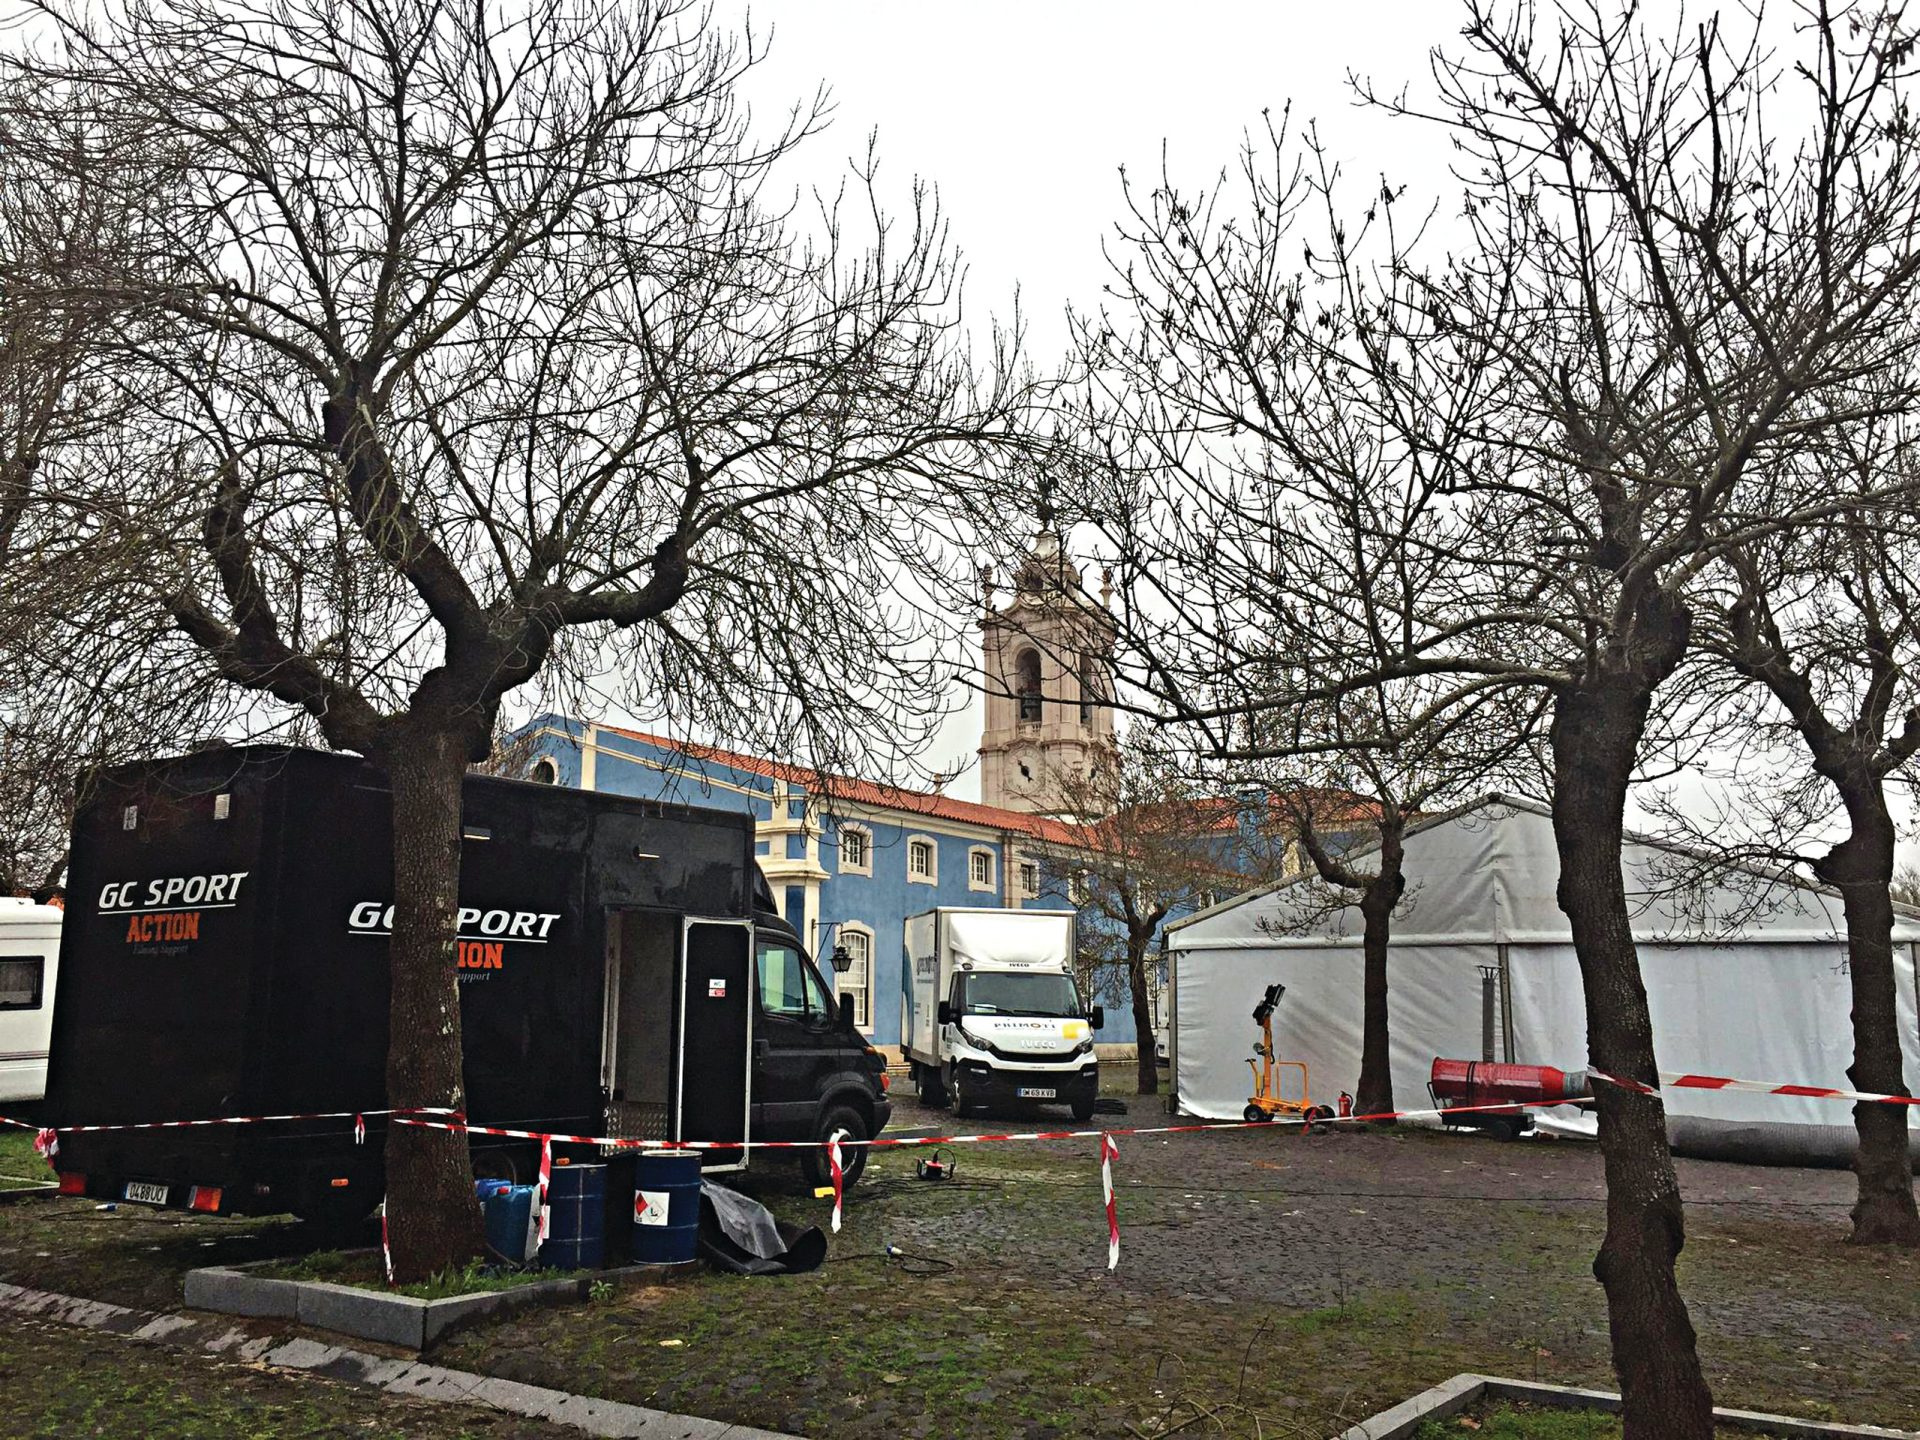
(1083, 1110)
(933, 1094)
(957, 1097)
(853, 1160)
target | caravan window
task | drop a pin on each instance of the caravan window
(20, 977)
(788, 985)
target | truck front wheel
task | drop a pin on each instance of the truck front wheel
(957, 1096)
(853, 1158)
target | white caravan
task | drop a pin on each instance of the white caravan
(989, 1012)
(29, 957)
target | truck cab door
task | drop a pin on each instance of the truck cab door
(796, 1041)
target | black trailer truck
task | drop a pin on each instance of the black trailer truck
(224, 953)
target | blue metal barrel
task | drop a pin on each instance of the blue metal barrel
(576, 1218)
(666, 1206)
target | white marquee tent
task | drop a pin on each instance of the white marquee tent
(1745, 975)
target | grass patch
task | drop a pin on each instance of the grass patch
(63, 1382)
(367, 1272)
(1511, 1420)
(20, 1163)
(1506, 1421)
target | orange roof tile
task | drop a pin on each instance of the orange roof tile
(865, 792)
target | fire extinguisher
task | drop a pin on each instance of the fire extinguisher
(1346, 1106)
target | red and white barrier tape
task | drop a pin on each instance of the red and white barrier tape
(386, 1250)
(839, 1174)
(541, 1220)
(47, 1139)
(357, 1116)
(1673, 1081)
(1108, 1152)
(47, 1144)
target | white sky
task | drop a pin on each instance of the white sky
(1022, 115)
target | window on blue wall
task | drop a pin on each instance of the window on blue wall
(920, 860)
(1029, 878)
(980, 869)
(857, 983)
(856, 850)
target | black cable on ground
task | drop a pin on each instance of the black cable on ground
(906, 1262)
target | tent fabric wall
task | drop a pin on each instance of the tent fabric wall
(1745, 976)
(1318, 1021)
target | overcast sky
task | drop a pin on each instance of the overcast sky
(1023, 114)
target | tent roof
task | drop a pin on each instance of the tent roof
(1486, 873)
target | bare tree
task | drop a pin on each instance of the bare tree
(1653, 298)
(1145, 844)
(1385, 779)
(1827, 621)
(74, 194)
(488, 353)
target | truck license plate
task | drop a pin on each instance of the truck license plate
(145, 1192)
(1029, 1092)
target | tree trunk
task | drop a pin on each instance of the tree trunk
(1376, 911)
(1861, 867)
(1597, 727)
(433, 1221)
(1147, 1064)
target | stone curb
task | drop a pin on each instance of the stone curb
(225, 1340)
(391, 1319)
(1450, 1397)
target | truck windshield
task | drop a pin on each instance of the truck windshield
(1000, 992)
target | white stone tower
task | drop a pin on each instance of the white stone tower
(1047, 666)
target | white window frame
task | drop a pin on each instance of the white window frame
(547, 764)
(1030, 878)
(976, 854)
(932, 877)
(862, 995)
(865, 832)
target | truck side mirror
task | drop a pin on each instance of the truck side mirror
(944, 1012)
(1097, 1017)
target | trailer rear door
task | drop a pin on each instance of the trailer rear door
(716, 1035)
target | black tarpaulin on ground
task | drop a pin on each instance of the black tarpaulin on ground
(740, 1235)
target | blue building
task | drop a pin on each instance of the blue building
(849, 860)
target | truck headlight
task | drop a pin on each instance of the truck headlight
(978, 1042)
(1085, 1047)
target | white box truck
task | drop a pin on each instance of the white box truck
(29, 960)
(990, 1014)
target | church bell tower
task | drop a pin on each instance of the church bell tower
(1046, 661)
